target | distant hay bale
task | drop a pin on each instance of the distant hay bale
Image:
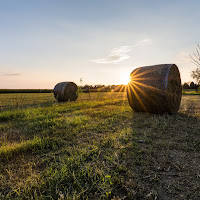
(155, 89)
(66, 91)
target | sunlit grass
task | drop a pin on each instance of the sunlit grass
(96, 148)
(37, 145)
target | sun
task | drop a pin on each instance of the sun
(125, 78)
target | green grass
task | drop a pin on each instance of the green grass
(190, 92)
(36, 145)
(97, 148)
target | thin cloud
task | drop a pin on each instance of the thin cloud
(116, 55)
(11, 74)
(147, 41)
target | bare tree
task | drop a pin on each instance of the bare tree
(195, 58)
(196, 75)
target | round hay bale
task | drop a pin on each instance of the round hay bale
(65, 91)
(155, 89)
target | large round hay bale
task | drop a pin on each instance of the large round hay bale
(65, 91)
(155, 89)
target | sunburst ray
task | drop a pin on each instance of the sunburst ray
(137, 96)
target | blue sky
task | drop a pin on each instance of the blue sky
(43, 42)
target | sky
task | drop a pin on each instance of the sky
(44, 42)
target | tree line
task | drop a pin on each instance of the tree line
(192, 85)
(103, 88)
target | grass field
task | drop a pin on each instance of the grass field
(190, 92)
(97, 148)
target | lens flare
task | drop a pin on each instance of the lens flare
(125, 78)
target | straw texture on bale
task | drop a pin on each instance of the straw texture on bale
(155, 89)
(65, 91)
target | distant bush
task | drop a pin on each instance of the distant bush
(186, 86)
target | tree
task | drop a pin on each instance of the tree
(186, 86)
(192, 85)
(196, 75)
(196, 60)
